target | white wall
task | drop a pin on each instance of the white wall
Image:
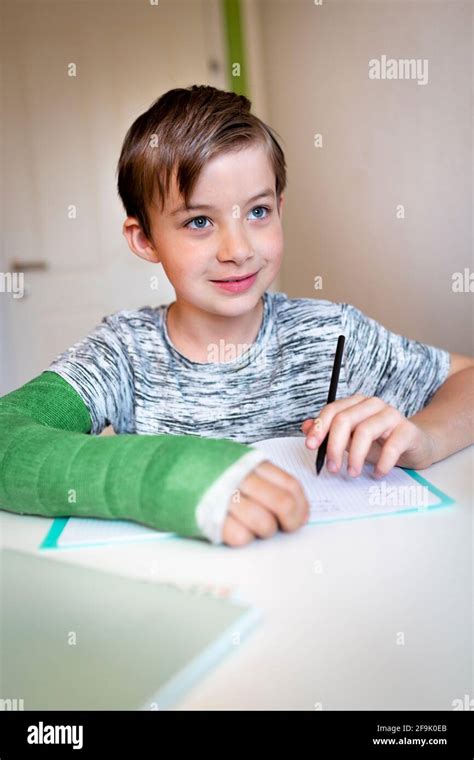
(384, 143)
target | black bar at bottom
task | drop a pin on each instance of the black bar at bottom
(442, 734)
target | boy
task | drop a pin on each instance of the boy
(202, 182)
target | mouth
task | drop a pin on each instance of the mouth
(237, 279)
(237, 284)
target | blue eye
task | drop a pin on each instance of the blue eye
(196, 218)
(265, 208)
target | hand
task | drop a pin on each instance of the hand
(370, 430)
(268, 498)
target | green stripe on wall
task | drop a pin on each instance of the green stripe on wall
(231, 10)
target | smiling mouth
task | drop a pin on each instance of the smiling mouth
(237, 279)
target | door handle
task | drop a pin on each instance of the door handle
(28, 266)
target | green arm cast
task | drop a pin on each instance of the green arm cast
(49, 467)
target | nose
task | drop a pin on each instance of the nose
(235, 247)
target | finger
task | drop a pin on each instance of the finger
(317, 432)
(279, 492)
(279, 477)
(255, 517)
(346, 421)
(234, 533)
(313, 423)
(395, 445)
(366, 433)
(373, 453)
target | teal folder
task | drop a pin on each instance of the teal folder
(74, 638)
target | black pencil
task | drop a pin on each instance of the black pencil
(331, 397)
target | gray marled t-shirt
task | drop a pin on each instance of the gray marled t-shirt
(130, 375)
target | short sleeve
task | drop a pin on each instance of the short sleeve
(404, 373)
(99, 368)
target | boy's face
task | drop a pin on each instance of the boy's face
(229, 233)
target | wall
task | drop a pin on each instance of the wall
(385, 142)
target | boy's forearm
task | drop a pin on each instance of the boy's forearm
(49, 466)
(157, 481)
(449, 417)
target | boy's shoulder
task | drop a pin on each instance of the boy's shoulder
(135, 318)
(299, 308)
(134, 328)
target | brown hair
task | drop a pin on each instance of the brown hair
(180, 132)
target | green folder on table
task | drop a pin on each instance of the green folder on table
(75, 638)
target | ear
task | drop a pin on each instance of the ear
(138, 242)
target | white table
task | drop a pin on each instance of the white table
(338, 601)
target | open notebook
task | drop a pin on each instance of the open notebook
(331, 497)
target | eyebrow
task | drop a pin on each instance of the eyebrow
(197, 206)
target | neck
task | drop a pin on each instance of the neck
(193, 330)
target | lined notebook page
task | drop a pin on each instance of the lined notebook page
(340, 496)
